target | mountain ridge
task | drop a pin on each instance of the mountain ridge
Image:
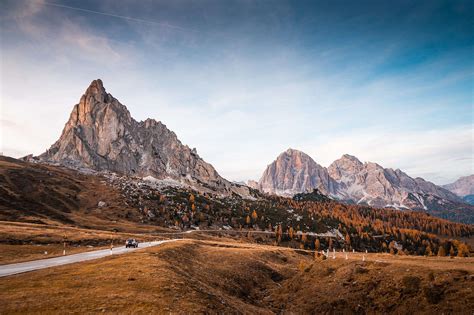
(100, 134)
(353, 181)
(294, 171)
(462, 187)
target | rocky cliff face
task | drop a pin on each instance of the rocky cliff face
(372, 184)
(351, 180)
(101, 135)
(463, 187)
(293, 172)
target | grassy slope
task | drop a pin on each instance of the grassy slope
(211, 276)
(29, 241)
(54, 195)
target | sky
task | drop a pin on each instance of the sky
(387, 81)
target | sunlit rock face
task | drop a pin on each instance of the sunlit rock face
(372, 184)
(464, 186)
(350, 180)
(101, 135)
(293, 172)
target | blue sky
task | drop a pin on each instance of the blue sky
(242, 81)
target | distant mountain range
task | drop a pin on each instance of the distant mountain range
(348, 179)
(463, 187)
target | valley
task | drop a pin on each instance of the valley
(226, 276)
(120, 205)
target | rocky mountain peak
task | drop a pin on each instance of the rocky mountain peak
(291, 151)
(462, 187)
(294, 171)
(349, 179)
(102, 135)
(348, 157)
(97, 91)
(344, 166)
(96, 87)
(297, 158)
(96, 104)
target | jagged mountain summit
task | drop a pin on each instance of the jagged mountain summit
(383, 187)
(293, 172)
(348, 179)
(462, 187)
(101, 135)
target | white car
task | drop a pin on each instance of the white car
(131, 242)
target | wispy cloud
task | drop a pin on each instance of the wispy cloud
(26, 9)
(63, 37)
(244, 81)
(88, 45)
(127, 18)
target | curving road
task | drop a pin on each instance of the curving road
(11, 269)
(8, 270)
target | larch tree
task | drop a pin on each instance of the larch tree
(348, 240)
(428, 251)
(463, 250)
(254, 215)
(291, 232)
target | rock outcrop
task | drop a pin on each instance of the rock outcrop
(101, 135)
(370, 183)
(350, 180)
(462, 187)
(294, 172)
(252, 184)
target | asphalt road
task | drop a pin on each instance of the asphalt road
(11, 269)
(8, 270)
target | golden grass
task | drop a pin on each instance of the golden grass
(52, 195)
(195, 276)
(20, 253)
(29, 241)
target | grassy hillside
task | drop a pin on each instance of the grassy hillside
(55, 195)
(232, 277)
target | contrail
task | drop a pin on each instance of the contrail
(120, 17)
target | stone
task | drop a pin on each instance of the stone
(294, 172)
(348, 179)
